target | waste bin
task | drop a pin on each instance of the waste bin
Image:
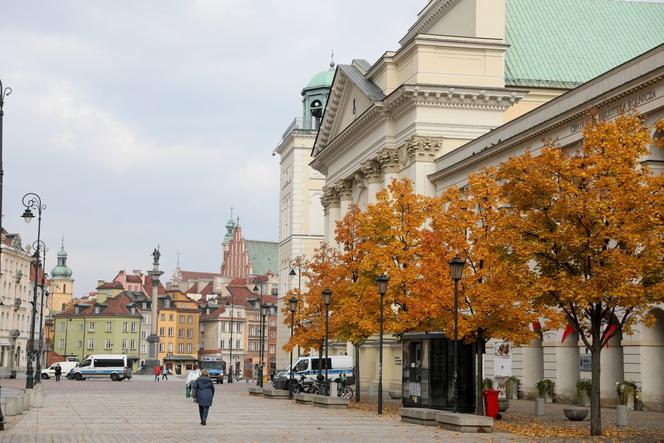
(491, 402)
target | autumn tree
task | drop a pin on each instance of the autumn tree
(493, 301)
(309, 318)
(353, 318)
(391, 231)
(590, 222)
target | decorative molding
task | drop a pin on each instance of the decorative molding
(345, 189)
(389, 160)
(330, 198)
(420, 149)
(457, 98)
(372, 171)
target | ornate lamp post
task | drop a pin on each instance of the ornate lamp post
(327, 298)
(4, 92)
(292, 306)
(456, 272)
(297, 264)
(44, 293)
(230, 359)
(264, 309)
(33, 201)
(381, 283)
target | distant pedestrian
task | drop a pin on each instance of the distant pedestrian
(157, 372)
(192, 375)
(164, 373)
(58, 372)
(203, 392)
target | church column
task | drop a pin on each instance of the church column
(532, 366)
(374, 176)
(390, 164)
(561, 364)
(612, 362)
(345, 192)
(333, 214)
(419, 154)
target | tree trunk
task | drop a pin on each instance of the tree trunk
(357, 372)
(479, 398)
(595, 403)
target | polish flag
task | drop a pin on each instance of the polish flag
(609, 332)
(536, 326)
(568, 330)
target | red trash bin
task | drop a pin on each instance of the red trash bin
(491, 402)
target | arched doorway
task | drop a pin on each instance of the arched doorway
(652, 362)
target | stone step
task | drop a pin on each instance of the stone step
(323, 401)
(464, 422)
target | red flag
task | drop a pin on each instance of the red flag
(568, 330)
(536, 326)
(609, 332)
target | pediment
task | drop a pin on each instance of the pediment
(351, 96)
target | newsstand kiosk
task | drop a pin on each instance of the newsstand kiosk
(427, 372)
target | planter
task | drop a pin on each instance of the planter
(576, 414)
(621, 415)
(503, 404)
(539, 406)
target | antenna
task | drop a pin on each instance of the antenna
(332, 59)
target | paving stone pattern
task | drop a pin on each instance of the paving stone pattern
(142, 410)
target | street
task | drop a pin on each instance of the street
(142, 410)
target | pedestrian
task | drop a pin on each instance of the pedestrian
(157, 371)
(192, 375)
(203, 392)
(58, 372)
(164, 373)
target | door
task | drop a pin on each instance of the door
(412, 372)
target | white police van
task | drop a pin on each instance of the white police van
(309, 368)
(116, 367)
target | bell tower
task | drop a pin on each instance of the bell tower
(62, 283)
(314, 97)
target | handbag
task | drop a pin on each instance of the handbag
(187, 391)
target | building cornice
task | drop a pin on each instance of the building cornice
(428, 18)
(535, 130)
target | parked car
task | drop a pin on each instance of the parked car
(66, 366)
(309, 368)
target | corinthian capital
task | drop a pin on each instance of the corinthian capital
(389, 160)
(372, 171)
(421, 149)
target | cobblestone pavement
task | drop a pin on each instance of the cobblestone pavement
(142, 410)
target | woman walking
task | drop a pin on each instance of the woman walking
(157, 372)
(203, 392)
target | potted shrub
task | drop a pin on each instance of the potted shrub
(626, 389)
(512, 385)
(544, 387)
(487, 383)
(583, 390)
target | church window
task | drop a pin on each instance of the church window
(64, 288)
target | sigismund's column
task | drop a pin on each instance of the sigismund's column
(153, 339)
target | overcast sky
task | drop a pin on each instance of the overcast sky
(142, 122)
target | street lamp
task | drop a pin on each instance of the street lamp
(33, 201)
(230, 363)
(327, 298)
(381, 283)
(456, 272)
(44, 293)
(297, 264)
(292, 306)
(264, 309)
(4, 92)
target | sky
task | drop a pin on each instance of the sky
(141, 123)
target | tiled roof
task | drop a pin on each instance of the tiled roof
(193, 289)
(263, 256)
(241, 294)
(118, 305)
(111, 285)
(191, 275)
(238, 282)
(134, 279)
(564, 43)
(207, 290)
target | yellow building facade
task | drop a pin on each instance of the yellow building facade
(178, 327)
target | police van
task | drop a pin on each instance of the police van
(310, 367)
(114, 366)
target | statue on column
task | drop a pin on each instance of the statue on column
(155, 255)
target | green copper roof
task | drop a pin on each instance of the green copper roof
(61, 270)
(263, 256)
(321, 80)
(563, 43)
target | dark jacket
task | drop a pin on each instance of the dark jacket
(204, 391)
(58, 370)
